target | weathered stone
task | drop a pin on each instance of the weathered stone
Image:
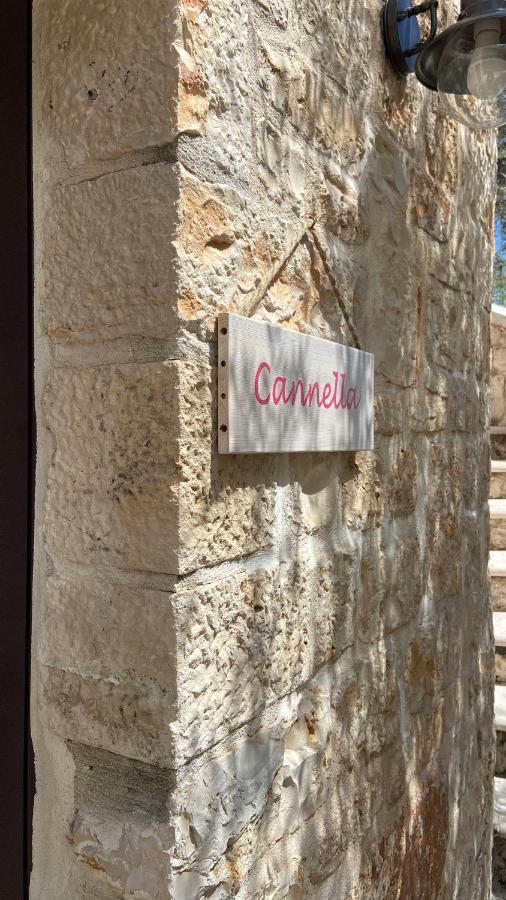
(110, 271)
(256, 676)
(154, 497)
(106, 680)
(500, 666)
(497, 533)
(498, 594)
(106, 79)
(114, 471)
(498, 485)
(247, 641)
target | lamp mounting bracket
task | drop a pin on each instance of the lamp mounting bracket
(401, 32)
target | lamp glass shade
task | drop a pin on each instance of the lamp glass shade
(471, 76)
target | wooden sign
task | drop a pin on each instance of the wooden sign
(280, 391)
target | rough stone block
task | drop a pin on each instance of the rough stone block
(124, 715)
(104, 80)
(107, 630)
(497, 399)
(498, 594)
(109, 257)
(154, 495)
(226, 503)
(291, 775)
(111, 489)
(108, 654)
(246, 641)
(497, 534)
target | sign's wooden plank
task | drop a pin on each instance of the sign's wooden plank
(280, 391)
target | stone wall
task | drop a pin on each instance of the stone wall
(268, 676)
(498, 385)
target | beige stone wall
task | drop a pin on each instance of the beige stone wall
(268, 676)
(498, 367)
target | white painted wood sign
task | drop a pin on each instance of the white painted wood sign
(281, 391)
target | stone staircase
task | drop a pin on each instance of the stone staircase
(497, 569)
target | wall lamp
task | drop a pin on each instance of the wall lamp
(465, 63)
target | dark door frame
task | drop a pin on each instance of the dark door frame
(16, 447)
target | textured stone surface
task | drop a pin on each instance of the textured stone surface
(109, 661)
(108, 80)
(497, 533)
(109, 271)
(498, 485)
(256, 676)
(114, 468)
(498, 594)
(498, 368)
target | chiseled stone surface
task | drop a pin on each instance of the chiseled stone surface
(498, 368)
(108, 270)
(260, 677)
(107, 79)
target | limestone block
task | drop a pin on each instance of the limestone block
(475, 474)
(299, 768)
(390, 409)
(392, 580)
(429, 410)
(120, 826)
(222, 50)
(497, 534)
(387, 319)
(453, 328)
(500, 666)
(232, 255)
(105, 79)
(329, 491)
(497, 399)
(432, 206)
(441, 134)
(445, 560)
(226, 503)
(152, 496)
(124, 715)
(397, 472)
(111, 487)
(475, 552)
(469, 657)
(108, 654)
(107, 630)
(498, 594)
(108, 268)
(247, 641)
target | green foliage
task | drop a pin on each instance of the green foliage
(499, 284)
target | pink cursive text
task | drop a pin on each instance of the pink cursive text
(329, 395)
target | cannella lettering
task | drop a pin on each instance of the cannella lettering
(329, 395)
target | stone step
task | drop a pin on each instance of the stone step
(497, 572)
(500, 707)
(500, 629)
(497, 509)
(500, 806)
(498, 479)
(497, 564)
(498, 429)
